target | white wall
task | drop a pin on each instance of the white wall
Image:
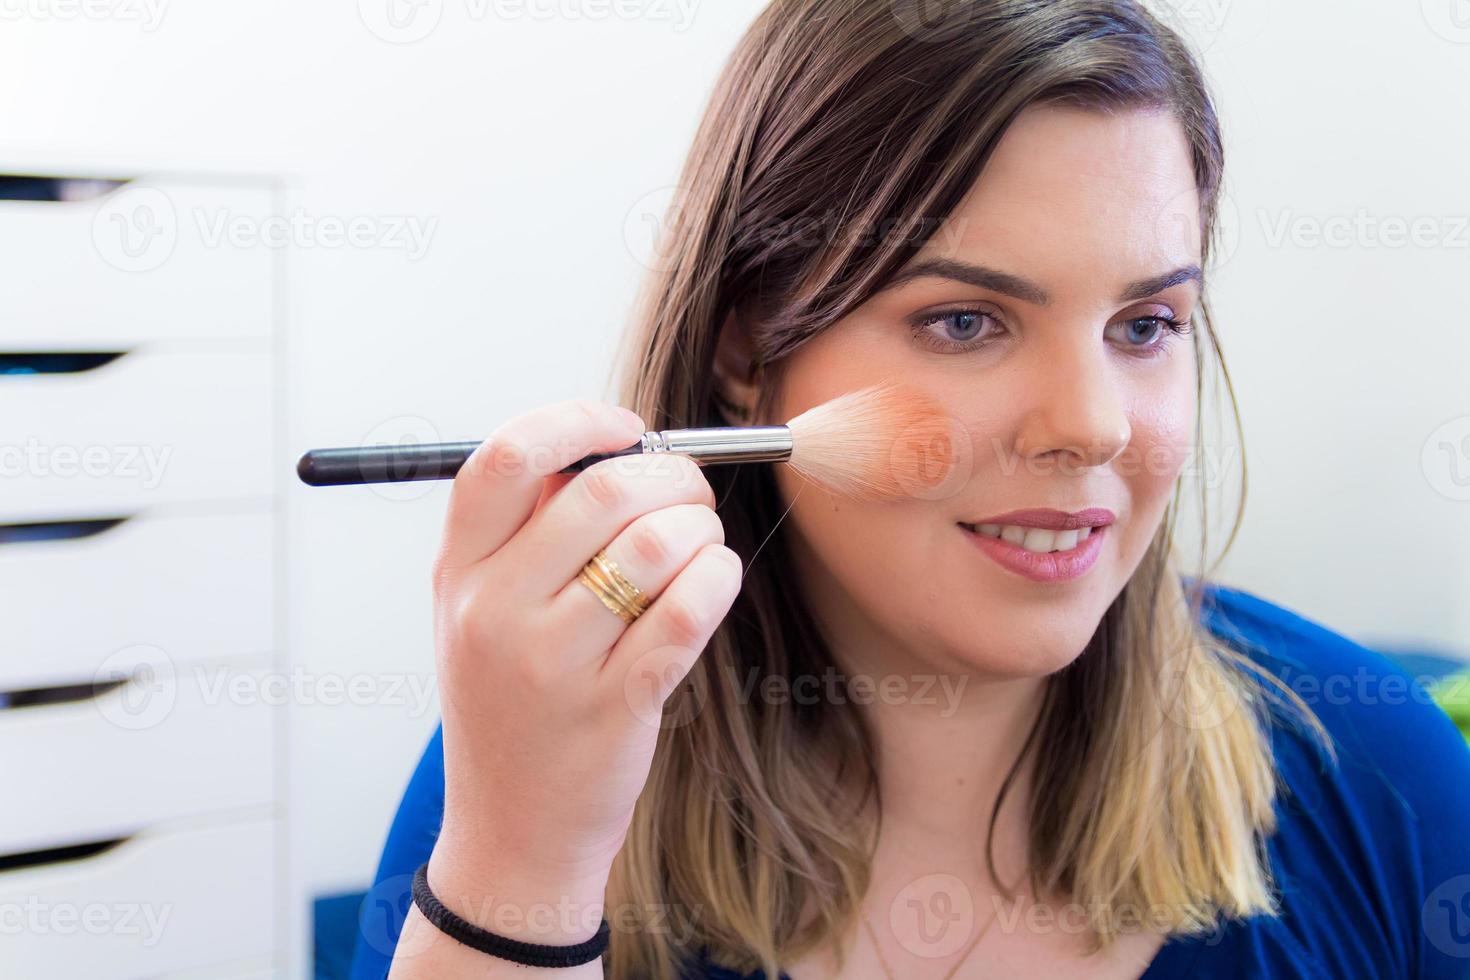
(530, 148)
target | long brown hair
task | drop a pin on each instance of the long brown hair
(839, 135)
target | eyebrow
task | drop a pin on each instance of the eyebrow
(1025, 289)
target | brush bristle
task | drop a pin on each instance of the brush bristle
(878, 443)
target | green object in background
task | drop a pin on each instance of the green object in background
(1452, 693)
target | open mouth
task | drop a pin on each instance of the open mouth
(1036, 553)
(1038, 540)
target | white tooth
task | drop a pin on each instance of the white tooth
(1083, 533)
(1066, 540)
(1013, 534)
(1039, 540)
(990, 530)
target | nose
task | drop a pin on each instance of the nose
(1075, 415)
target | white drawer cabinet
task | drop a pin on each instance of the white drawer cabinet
(199, 587)
(196, 741)
(167, 900)
(139, 582)
(155, 259)
(156, 426)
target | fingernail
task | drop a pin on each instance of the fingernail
(632, 417)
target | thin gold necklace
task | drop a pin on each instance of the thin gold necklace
(888, 970)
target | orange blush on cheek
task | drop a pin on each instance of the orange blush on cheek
(882, 442)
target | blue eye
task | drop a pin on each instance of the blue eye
(960, 325)
(968, 329)
(952, 330)
(1150, 326)
(1146, 334)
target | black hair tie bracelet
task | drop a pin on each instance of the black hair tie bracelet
(471, 935)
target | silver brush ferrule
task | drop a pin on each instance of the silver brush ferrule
(756, 443)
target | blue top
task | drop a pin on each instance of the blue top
(1372, 858)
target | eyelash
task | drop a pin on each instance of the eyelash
(1177, 327)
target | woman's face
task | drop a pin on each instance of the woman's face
(1038, 318)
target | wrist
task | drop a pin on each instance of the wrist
(499, 894)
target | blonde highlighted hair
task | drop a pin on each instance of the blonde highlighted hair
(839, 135)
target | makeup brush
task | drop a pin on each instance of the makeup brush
(878, 442)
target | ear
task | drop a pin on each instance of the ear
(737, 379)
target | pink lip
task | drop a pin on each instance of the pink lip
(1057, 566)
(1055, 520)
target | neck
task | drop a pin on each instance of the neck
(947, 734)
(941, 770)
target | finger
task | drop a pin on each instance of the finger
(594, 508)
(497, 488)
(659, 648)
(650, 552)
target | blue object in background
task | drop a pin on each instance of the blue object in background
(334, 934)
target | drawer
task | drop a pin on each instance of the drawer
(153, 259)
(158, 903)
(155, 426)
(166, 745)
(200, 587)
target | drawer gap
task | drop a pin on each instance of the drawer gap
(55, 362)
(58, 855)
(56, 530)
(32, 187)
(34, 697)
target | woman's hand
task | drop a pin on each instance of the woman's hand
(551, 703)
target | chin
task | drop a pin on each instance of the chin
(1015, 642)
(1025, 659)
(1023, 653)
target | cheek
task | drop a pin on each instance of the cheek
(870, 562)
(874, 552)
(1162, 419)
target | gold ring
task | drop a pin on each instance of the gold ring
(602, 575)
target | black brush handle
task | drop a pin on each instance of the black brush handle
(352, 465)
(634, 450)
